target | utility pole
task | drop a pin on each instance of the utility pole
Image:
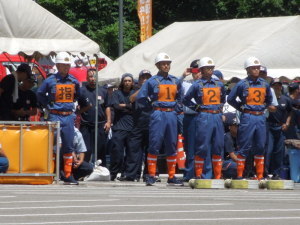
(120, 27)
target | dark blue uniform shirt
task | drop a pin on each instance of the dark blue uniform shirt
(196, 92)
(141, 114)
(242, 90)
(27, 100)
(46, 92)
(6, 99)
(283, 109)
(123, 119)
(150, 89)
(88, 96)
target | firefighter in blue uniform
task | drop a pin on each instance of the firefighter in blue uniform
(255, 96)
(165, 94)
(57, 94)
(209, 95)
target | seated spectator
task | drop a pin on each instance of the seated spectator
(3, 161)
(81, 168)
(229, 168)
(26, 104)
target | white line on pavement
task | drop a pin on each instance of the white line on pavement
(152, 212)
(162, 220)
(55, 201)
(105, 206)
(216, 197)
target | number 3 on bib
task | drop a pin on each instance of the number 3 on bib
(256, 96)
(211, 96)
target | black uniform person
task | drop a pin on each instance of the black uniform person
(139, 136)
(87, 125)
(122, 125)
(9, 90)
(26, 104)
(278, 123)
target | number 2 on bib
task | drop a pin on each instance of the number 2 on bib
(211, 96)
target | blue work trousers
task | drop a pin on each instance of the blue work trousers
(88, 134)
(275, 152)
(66, 131)
(137, 148)
(3, 164)
(163, 128)
(120, 143)
(252, 134)
(209, 134)
(189, 133)
(83, 170)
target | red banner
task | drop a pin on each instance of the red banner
(145, 16)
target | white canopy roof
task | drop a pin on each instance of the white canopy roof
(273, 40)
(27, 27)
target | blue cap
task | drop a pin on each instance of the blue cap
(276, 81)
(127, 75)
(219, 74)
(263, 69)
(293, 86)
(195, 63)
(145, 72)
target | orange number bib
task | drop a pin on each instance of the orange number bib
(256, 96)
(211, 96)
(167, 92)
(64, 93)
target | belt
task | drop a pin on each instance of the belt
(257, 113)
(53, 111)
(209, 111)
(164, 109)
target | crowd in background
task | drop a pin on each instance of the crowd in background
(127, 111)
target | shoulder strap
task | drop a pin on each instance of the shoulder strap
(173, 80)
(158, 81)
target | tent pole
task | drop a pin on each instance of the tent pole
(96, 112)
(120, 27)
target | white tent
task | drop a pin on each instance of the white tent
(274, 40)
(27, 27)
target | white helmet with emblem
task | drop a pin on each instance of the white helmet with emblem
(63, 58)
(162, 57)
(206, 61)
(251, 61)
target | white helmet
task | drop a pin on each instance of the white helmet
(63, 57)
(251, 61)
(206, 61)
(162, 57)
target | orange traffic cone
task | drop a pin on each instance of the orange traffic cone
(180, 153)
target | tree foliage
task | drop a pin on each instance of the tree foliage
(98, 19)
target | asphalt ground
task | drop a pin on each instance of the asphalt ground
(134, 203)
